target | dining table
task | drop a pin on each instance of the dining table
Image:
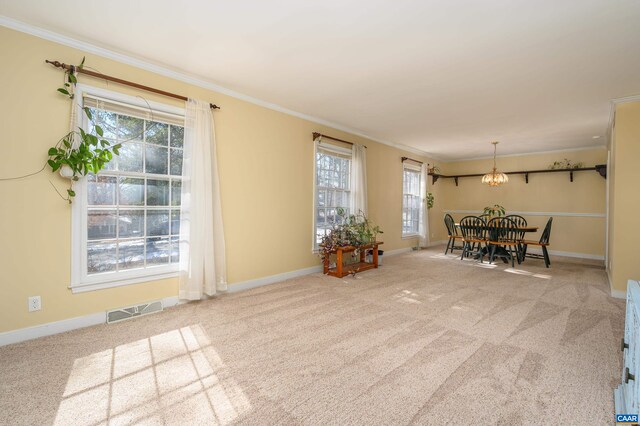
(485, 250)
(519, 228)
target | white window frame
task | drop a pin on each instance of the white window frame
(413, 168)
(81, 281)
(340, 151)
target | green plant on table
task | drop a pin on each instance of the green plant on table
(354, 230)
(494, 211)
(79, 152)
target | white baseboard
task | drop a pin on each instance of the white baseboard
(258, 282)
(539, 251)
(408, 249)
(42, 330)
(568, 254)
(50, 328)
(62, 326)
(170, 302)
(396, 252)
(619, 294)
(28, 333)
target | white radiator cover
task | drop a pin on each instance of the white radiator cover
(627, 394)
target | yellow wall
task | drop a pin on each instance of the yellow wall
(545, 193)
(265, 159)
(266, 171)
(624, 202)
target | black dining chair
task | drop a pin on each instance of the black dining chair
(453, 235)
(521, 222)
(504, 239)
(474, 235)
(543, 243)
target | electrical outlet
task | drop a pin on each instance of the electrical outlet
(35, 303)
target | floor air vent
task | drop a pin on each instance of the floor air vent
(130, 312)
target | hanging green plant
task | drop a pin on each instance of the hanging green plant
(430, 200)
(79, 152)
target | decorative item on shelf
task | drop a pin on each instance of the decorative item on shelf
(78, 152)
(565, 164)
(494, 177)
(494, 211)
(433, 170)
(353, 233)
(430, 200)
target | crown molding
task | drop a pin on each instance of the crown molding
(524, 154)
(632, 98)
(612, 117)
(123, 58)
(612, 111)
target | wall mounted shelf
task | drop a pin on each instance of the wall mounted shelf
(600, 168)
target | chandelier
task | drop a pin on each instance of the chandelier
(494, 177)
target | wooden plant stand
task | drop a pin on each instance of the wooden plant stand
(342, 270)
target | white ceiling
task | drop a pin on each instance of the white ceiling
(445, 77)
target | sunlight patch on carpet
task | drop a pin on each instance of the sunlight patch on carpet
(173, 376)
(527, 273)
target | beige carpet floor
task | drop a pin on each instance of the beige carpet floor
(425, 339)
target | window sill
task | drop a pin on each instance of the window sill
(101, 285)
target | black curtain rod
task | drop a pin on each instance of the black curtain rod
(120, 81)
(317, 135)
(411, 159)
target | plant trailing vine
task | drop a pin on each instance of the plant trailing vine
(430, 200)
(79, 152)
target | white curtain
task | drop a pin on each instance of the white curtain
(359, 180)
(202, 250)
(423, 226)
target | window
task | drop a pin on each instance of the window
(127, 217)
(333, 188)
(411, 200)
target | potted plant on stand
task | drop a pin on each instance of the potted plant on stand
(355, 231)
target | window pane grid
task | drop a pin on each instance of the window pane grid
(133, 215)
(411, 202)
(333, 190)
